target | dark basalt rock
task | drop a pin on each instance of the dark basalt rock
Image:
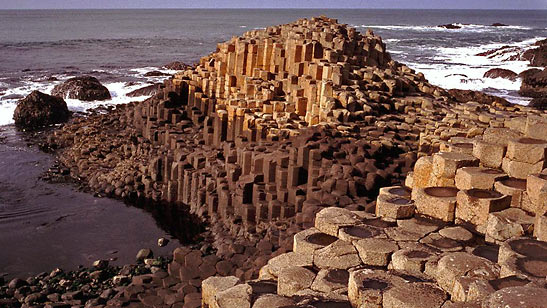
(450, 26)
(177, 66)
(85, 88)
(39, 110)
(155, 74)
(464, 96)
(145, 91)
(497, 24)
(501, 73)
(539, 103)
(537, 56)
(534, 83)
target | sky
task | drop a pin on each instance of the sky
(403, 4)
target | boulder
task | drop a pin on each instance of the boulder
(39, 109)
(177, 66)
(537, 56)
(534, 83)
(497, 24)
(539, 103)
(501, 73)
(155, 74)
(85, 88)
(450, 26)
(464, 96)
(145, 91)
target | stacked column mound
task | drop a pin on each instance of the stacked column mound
(294, 142)
(467, 230)
(274, 125)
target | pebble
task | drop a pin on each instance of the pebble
(162, 242)
(144, 253)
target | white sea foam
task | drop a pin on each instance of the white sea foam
(461, 68)
(118, 91)
(463, 27)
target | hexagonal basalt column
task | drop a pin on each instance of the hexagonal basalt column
(331, 219)
(445, 164)
(376, 252)
(359, 232)
(475, 177)
(366, 287)
(526, 150)
(436, 202)
(294, 279)
(410, 260)
(331, 280)
(414, 295)
(396, 191)
(522, 246)
(540, 227)
(536, 187)
(489, 154)
(453, 266)
(516, 297)
(393, 208)
(508, 223)
(474, 205)
(338, 255)
(512, 187)
(309, 240)
(524, 256)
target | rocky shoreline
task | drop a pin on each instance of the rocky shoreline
(318, 169)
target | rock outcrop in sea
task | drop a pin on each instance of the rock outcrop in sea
(329, 175)
(85, 88)
(38, 110)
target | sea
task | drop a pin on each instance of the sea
(45, 225)
(120, 46)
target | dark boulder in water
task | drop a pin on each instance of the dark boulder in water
(539, 103)
(177, 66)
(85, 88)
(534, 83)
(145, 91)
(464, 96)
(39, 110)
(501, 73)
(497, 24)
(537, 56)
(450, 26)
(155, 74)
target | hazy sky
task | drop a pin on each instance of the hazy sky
(433, 4)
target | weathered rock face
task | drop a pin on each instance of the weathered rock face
(85, 88)
(145, 91)
(537, 56)
(534, 83)
(501, 73)
(464, 96)
(39, 109)
(155, 74)
(539, 103)
(177, 66)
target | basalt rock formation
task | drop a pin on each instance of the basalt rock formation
(38, 110)
(501, 73)
(331, 176)
(85, 88)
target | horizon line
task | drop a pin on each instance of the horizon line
(269, 8)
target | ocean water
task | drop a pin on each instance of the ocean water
(119, 46)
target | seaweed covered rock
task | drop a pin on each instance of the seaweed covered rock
(39, 110)
(85, 88)
(534, 83)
